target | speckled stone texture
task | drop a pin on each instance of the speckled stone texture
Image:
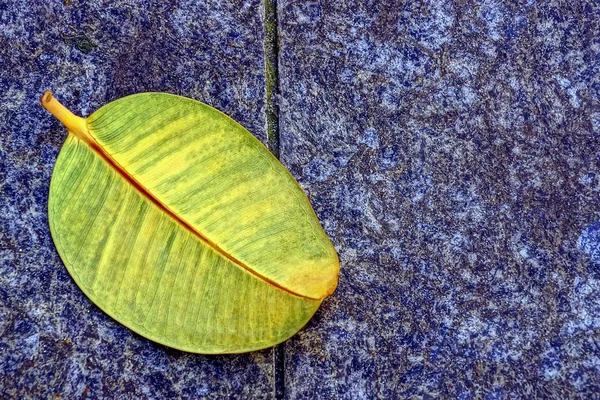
(452, 150)
(53, 341)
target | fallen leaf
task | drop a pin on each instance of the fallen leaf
(182, 226)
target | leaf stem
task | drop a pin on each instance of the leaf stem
(72, 122)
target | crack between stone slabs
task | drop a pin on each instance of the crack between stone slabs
(272, 75)
(271, 48)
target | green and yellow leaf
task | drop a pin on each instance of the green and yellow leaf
(178, 223)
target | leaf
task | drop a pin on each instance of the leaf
(179, 224)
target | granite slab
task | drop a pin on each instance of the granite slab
(452, 151)
(54, 342)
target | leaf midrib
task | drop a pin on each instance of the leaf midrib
(91, 141)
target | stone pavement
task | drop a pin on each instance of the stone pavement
(450, 148)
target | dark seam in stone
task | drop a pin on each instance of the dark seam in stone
(272, 116)
(272, 75)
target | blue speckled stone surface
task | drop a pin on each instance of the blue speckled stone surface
(53, 341)
(452, 150)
